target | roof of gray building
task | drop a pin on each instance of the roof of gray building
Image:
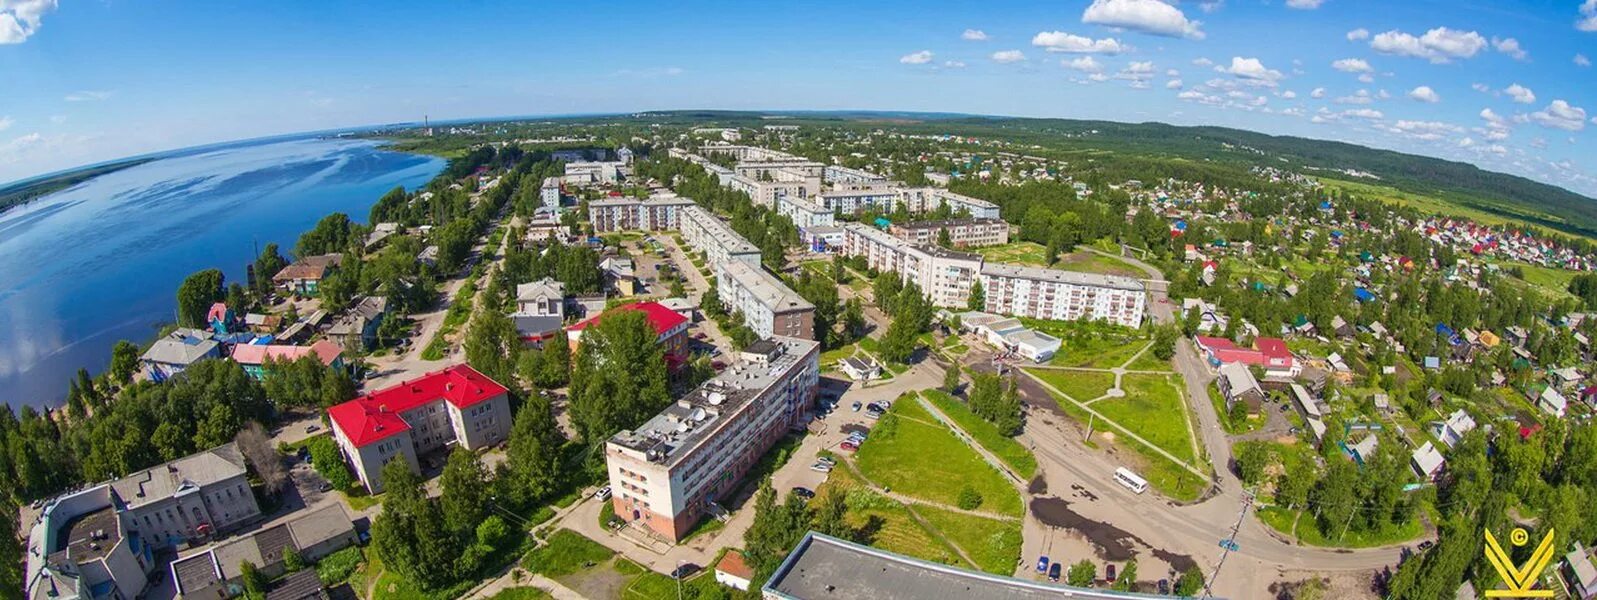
(769, 291)
(1058, 276)
(194, 471)
(180, 349)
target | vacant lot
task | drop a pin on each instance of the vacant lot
(1018, 253)
(911, 453)
(994, 544)
(1081, 385)
(1152, 408)
(887, 524)
(1092, 262)
(1019, 459)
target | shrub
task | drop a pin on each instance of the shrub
(969, 498)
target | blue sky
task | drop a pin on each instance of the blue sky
(1506, 85)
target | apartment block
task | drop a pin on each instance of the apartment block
(836, 174)
(1063, 295)
(766, 190)
(595, 172)
(667, 474)
(549, 192)
(769, 307)
(804, 213)
(944, 276)
(456, 406)
(925, 199)
(853, 198)
(657, 213)
(962, 233)
(706, 233)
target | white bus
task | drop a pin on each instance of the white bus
(1131, 480)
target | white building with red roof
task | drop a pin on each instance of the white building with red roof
(1270, 354)
(670, 329)
(455, 406)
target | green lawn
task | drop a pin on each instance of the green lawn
(521, 593)
(1162, 474)
(1020, 253)
(993, 544)
(1097, 352)
(565, 553)
(1081, 385)
(920, 457)
(655, 586)
(1092, 262)
(1152, 408)
(1280, 519)
(1252, 423)
(1148, 362)
(888, 524)
(1004, 447)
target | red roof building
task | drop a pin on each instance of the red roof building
(670, 329)
(1268, 353)
(455, 406)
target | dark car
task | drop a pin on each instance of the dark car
(1053, 572)
(1164, 587)
(684, 570)
(1042, 564)
(804, 493)
(1109, 573)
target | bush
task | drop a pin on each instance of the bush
(329, 462)
(969, 498)
(336, 568)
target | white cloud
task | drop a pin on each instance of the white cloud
(1289, 94)
(1318, 92)
(1085, 64)
(1581, 60)
(1059, 41)
(1466, 142)
(1352, 65)
(1304, 4)
(1363, 113)
(1481, 87)
(1137, 71)
(974, 35)
(1211, 5)
(1510, 46)
(1497, 128)
(1359, 97)
(1439, 45)
(6, 122)
(1251, 69)
(1366, 78)
(1424, 93)
(1561, 115)
(1358, 34)
(1172, 73)
(1520, 94)
(86, 95)
(1426, 129)
(1099, 77)
(916, 58)
(1173, 84)
(1147, 16)
(1588, 16)
(954, 64)
(1383, 95)
(1008, 56)
(20, 19)
(1203, 62)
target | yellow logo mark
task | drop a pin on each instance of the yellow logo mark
(1520, 578)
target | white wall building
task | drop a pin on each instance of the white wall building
(769, 307)
(804, 213)
(706, 233)
(944, 276)
(1063, 295)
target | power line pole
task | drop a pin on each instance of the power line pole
(1230, 542)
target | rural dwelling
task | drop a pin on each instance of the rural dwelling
(1580, 574)
(303, 277)
(860, 369)
(1238, 385)
(253, 357)
(1453, 429)
(619, 275)
(172, 354)
(1552, 402)
(543, 298)
(1428, 462)
(733, 571)
(1362, 450)
(1267, 352)
(357, 327)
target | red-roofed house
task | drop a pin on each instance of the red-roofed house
(734, 571)
(457, 405)
(1271, 354)
(253, 357)
(670, 328)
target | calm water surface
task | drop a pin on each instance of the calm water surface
(87, 266)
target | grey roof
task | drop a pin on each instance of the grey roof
(824, 567)
(193, 471)
(547, 287)
(177, 349)
(317, 526)
(195, 572)
(1058, 276)
(1238, 378)
(299, 585)
(766, 289)
(536, 324)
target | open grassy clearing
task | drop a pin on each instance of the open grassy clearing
(565, 553)
(1152, 408)
(1148, 362)
(1101, 351)
(1092, 262)
(1247, 425)
(887, 523)
(1019, 459)
(993, 544)
(1281, 519)
(1019, 253)
(1081, 385)
(913, 454)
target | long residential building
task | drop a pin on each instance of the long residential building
(944, 276)
(963, 233)
(853, 198)
(706, 233)
(925, 199)
(657, 213)
(667, 474)
(804, 213)
(1063, 295)
(457, 406)
(839, 174)
(101, 542)
(765, 192)
(769, 307)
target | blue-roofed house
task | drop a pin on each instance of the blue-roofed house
(1363, 295)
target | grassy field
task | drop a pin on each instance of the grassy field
(993, 544)
(1081, 385)
(521, 593)
(565, 553)
(1152, 408)
(889, 524)
(1281, 519)
(1004, 447)
(1097, 352)
(922, 458)
(1092, 262)
(1247, 425)
(1019, 253)
(1148, 362)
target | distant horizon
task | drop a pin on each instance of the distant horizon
(180, 151)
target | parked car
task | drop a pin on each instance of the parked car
(1042, 564)
(603, 493)
(684, 570)
(312, 428)
(873, 415)
(856, 406)
(1109, 573)
(857, 434)
(1053, 572)
(826, 460)
(821, 467)
(1164, 587)
(849, 446)
(1229, 545)
(804, 493)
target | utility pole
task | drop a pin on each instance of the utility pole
(1091, 418)
(1208, 584)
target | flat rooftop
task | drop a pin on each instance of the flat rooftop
(91, 536)
(769, 291)
(880, 237)
(1058, 276)
(673, 434)
(719, 231)
(826, 568)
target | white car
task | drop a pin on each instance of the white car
(603, 493)
(821, 467)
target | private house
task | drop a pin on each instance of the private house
(619, 275)
(1552, 402)
(172, 354)
(303, 277)
(254, 357)
(670, 329)
(734, 572)
(860, 369)
(455, 406)
(1362, 450)
(1428, 462)
(217, 572)
(221, 319)
(1579, 573)
(1454, 428)
(357, 327)
(1237, 384)
(540, 311)
(1309, 409)
(262, 324)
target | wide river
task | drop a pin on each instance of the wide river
(101, 261)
